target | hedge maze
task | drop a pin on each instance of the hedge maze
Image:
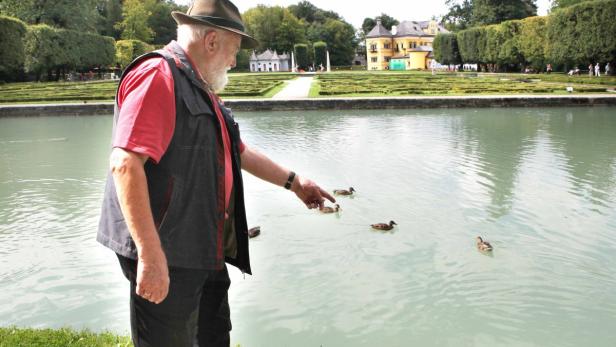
(391, 84)
(240, 85)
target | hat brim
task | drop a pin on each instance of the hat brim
(247, 40)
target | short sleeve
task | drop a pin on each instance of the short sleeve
(146, 99)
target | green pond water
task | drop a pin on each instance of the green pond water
(538, 183)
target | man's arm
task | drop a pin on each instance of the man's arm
(132, 189)
(264, 168)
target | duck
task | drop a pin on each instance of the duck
(384, 226)
(328, 209)
(254, 232)
(483, 246)
(344, 191)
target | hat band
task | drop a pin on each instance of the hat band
(221, 22)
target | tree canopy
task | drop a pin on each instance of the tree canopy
(469, 13)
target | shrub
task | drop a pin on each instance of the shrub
(12, 32)
(128, 50)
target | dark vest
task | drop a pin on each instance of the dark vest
(186, 188)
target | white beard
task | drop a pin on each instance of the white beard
(218, 79)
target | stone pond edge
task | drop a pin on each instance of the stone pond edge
(86, 109)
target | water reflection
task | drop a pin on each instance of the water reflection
(537, 183)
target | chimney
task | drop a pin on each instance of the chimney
(394, 29)
(378, 21)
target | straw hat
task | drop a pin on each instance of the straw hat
(220, 14)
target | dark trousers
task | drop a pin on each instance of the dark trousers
(194, 313)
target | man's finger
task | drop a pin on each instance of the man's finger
(327, 196)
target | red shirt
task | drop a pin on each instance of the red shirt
(146, 123)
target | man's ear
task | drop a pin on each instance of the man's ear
(211, 41)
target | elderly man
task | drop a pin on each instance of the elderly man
(173, 209)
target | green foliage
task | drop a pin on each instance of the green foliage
(496, 11)
(48, 49)
(320, 53)
(301, 55)
(422, 83)
(582, 33)
(310, 13)
(341, 41)
(18, 337)
(460, 15)
(110, 13)
(164, 26)
(136, 14)
(532, 41)
(387, 21)
(557, 4)
(12, 32)
(127, 50)
(446, 49)
(472, 44)
(274, 27)
(76, 15)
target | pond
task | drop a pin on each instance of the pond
(538, 183)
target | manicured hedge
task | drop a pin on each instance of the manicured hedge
(576, 35)
(446, 49)
(128, 50)
(12, 32)
(50, 49)
(427, 84)
(301, 55)
(320, 53)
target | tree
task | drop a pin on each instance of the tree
(460, 15)
(110, 13)
(387, 21)
(310, 13)
(274, 27)
(556, 4)
(487, 12)
(77, 15)
(164, 26)
(340, 39)
(135, 26)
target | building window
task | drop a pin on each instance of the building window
(374, 59)
(402, 45)
(387, 46)
(373, 48)
(414, 44)
(387, 59)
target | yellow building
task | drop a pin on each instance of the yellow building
(410, 42)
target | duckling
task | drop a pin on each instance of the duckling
(384, 226)
(254, 232)
(344, 192)
(328, 209)
(483, 246)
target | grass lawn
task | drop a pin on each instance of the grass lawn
(240, 85)
(24, 337)
(409, 83)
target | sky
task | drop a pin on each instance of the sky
(354, 12)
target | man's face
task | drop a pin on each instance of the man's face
(223, 60)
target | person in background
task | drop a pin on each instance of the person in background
(173, 208)
(607, 69)
(597, 70)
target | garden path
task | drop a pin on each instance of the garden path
(295, 89)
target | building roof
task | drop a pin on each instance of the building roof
(405, 28)
(410, 28)
(268, 55)
(379, 30)
(421, 49)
